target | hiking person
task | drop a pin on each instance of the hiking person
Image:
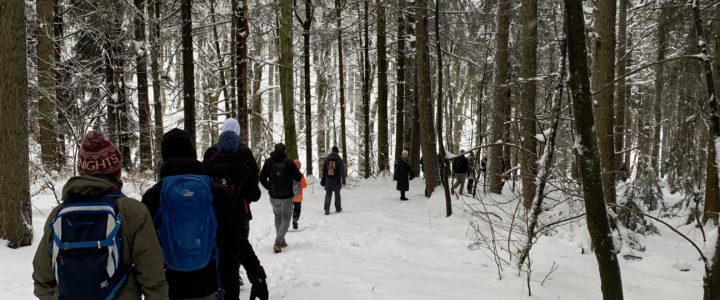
(237, 170)
(460, 170)
(471, 172)
(403, 174)
(188, 207)
(298, 187)
(112, 252)
(333, 179)
(277, 176)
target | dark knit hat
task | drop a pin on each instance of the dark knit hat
(280, 147)
(98, 156)
(335, 149)
(228, 141)
(177, 143)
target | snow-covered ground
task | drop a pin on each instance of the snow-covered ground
(382, 248)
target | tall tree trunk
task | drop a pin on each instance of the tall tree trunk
(286, 78)
(188, 69)
(322, 59)
(659, 87)
(603, 75)
(500, 97)
(444, 166)
(621, 89)
(595, 208)
(124, 109)
(383, 152)
(156, 58)
(528, 154)
(241, 35)
(400, 74)
(308, 100)
(142, 86)
(366, 92)
(219, 57)
(257, 105)
(62, 94)
(15, 208)
(343, 141)
(47, 136)
(712, 191)
(425, 106)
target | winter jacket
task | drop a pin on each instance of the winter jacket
(203, 282)
(140, 245)
(460, 165)
(471, 165)
(403, 174)
(299, 197)
(280, 158)
(237, 169)
(336, 182)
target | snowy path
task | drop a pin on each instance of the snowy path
(383, 248)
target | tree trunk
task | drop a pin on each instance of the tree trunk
(604, 74)
(156, 56)
(400, 74)
(15, 208)
(257, 104)
(425, 107)
(308, 100)
(444, 165)
(286, 78)
(595, 208)
(188, 69)
(383, 152)
(621, 89)
(500, 97)
(45, 61)
(241, 36)
(338, 11)
(142, 86)
(366, 92)
(659, 88)
(528, 118)
(219, 57)
(712, 191)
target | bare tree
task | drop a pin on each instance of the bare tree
(45, 62)
(188, 68)
(527, 107)
(500, 97)
(142, 87)
(424, 97)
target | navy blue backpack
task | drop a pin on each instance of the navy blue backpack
(188, 225)
(87, 248)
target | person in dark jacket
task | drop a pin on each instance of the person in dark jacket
(403, 174)
(277, 176)
(471, 172)
(179, 158)
(238, 168)
(333, 179)
(460, 170)
(99, 167)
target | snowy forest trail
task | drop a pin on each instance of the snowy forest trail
(379, 247)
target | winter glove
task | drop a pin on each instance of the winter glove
(259, 288)
(322, 181)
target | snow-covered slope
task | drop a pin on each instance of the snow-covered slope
(382, 248)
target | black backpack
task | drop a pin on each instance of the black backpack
(280, 181)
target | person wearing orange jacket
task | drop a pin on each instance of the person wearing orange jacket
(298, 186)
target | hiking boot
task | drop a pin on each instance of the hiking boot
(404, 199)
(276, 248)
(338, 210)
(295, 225)
(283, 244)
(327, 212)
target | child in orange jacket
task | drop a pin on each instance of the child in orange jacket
(297, 200)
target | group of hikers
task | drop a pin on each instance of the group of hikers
(188, 236)
(462, 168)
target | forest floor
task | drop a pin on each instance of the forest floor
(379, 247)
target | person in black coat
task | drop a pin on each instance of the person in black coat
(460, 172)
(278, 175)
(179, 158)
(333, 179)
(403, 174)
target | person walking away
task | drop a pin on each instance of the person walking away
(98, 243)
(194, 220)
(298, 187)
(471, 172)
(460, 170)
(333, 179)
(277, 176)
(403, 174)
(241, 167)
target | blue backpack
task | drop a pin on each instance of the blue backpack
(188, 225)
(86, 248)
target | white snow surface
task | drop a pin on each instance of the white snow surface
(383, 248)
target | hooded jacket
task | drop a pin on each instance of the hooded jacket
(277, 157)
(140, 244)
(336, 182)
(403, 174)
(203, 282)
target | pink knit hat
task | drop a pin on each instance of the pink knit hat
(98, 156)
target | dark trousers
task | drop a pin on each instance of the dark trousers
(297, 206)
(328, 198)
(402, 194)
(230, 275)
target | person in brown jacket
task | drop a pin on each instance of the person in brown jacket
(99, 166)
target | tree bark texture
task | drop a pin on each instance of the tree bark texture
(156, 58)
(500, 98)
(142, 86)
(425, 106)
(383, 152)
(366, 92)
(188, 68)
(47, 136)
(286, 78)
(343, 141)
(400, 75)
(621, 95)
(528, 153)
(241, 52)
